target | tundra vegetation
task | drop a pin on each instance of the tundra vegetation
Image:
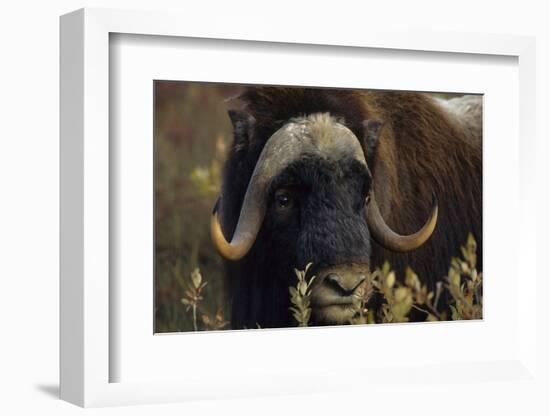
(192, 133)
(399, 297)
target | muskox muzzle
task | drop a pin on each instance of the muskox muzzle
(319, 135)
(338, 292)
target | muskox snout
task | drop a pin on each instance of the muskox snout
(340, 283)
(338, 292)
(344, 283)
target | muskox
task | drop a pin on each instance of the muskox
(345, 180)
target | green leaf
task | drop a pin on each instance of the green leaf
(411, 279)
(196, 278)
(302, 288)
(307, 316)
(390, 280)
(386, 268)
(455, 316)
(311, 280)
(293, 309)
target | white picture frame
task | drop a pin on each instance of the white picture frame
(86, 356)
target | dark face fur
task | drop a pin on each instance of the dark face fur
(316, 214)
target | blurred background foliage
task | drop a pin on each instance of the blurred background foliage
(192, 133)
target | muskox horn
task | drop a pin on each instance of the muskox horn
(388, 238)
(249, 224)
(317, 134)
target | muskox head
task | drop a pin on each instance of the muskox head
(311, 195)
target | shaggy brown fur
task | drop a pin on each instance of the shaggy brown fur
(422, 148)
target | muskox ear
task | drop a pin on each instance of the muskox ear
(243, 125)
(371, 135)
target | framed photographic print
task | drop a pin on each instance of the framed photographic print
(273, 213)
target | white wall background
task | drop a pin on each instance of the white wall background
(29, 182)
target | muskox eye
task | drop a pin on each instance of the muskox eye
(283, 199)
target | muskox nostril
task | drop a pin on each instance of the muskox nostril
(333, 280)
(344, 286)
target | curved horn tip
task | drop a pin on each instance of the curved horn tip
(218, 239)
(234, 250)
(389, 239)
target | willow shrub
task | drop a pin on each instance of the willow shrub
(463, 284)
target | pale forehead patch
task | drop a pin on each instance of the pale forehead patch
(317, 134)
(327, 135)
